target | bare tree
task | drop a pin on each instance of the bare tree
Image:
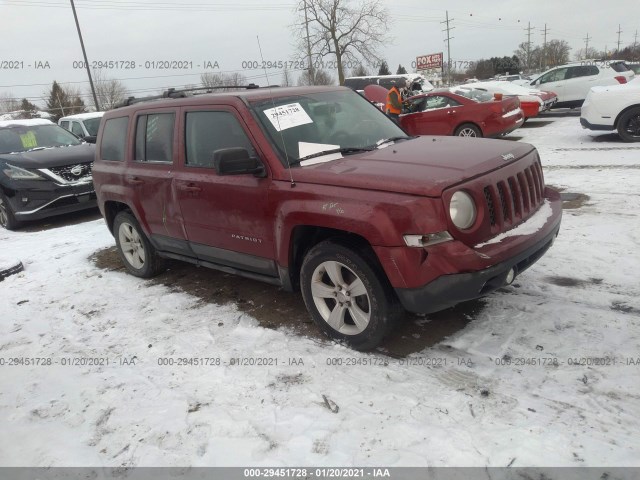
(110, 92)
(287, 78)
(556, 53)
(589, 53)
(8, 103)
(529, 57)
(320, 77)
(213, 80)
(360, 71)
(340, 30)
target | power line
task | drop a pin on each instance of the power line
(448, 40)
(155, 6)
(619, 32)
(543, 58)
(528, 29)
(586, 46)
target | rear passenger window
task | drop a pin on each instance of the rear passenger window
(114, 139)
(64, 124)
(207, 132)
(582, 71)
(154, 138)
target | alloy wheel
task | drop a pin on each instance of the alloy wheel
(467, 132)
(633, 126)
(341, 298)
(131, 245)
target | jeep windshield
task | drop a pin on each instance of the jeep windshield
(319, 127)
(25, 138)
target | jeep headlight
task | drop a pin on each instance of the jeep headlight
(17, 173)
(462, 210)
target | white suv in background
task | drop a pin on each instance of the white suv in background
(572, 82)
(83, 125)
(614, 108)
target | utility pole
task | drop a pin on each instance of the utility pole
(543, 59)
(86, 62)
(529, 28)
(635, 40)
(586, 47)
(448, 40)
(619, 32)
(306, 24)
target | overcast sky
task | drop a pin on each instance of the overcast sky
(42, 33)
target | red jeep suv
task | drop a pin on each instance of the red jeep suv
(315, 189)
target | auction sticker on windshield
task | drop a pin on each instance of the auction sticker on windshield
(29, 140)
(287, 116)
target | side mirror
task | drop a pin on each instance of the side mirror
(90, 139)
(236, 161)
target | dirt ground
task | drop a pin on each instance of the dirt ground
(275, 308)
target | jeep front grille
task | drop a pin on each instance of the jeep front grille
(515, 198)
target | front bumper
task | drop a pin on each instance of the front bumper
(33, 200)
(449, 290)
(433, 278)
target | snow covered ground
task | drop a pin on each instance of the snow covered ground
(546, 374)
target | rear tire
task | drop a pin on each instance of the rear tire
(629, 125)
(138, 255)
(7, 217)
(468, 130)
(348, 295)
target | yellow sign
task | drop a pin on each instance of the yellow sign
(29, 140)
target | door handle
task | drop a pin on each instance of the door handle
(134, 181)
(189, 187)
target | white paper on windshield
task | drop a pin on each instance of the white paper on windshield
(287, 116)
(305, 149)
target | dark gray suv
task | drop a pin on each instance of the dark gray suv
(44, 171)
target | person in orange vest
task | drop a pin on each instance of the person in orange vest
(393, 107)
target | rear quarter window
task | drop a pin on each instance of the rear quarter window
(114, 139)
(620, 67)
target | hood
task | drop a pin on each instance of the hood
(52, 157)
(422, 166)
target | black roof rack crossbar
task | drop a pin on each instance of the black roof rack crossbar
(187, 92)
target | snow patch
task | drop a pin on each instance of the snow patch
(529, 227)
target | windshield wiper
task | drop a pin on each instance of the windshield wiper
(35, 149)
(343, 150)
(392, 139)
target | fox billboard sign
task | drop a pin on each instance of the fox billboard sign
(429, 62)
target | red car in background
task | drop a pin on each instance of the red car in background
(532, 101)
(473, 113)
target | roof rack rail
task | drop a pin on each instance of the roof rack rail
(188, 92)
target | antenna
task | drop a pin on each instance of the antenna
(284, 146)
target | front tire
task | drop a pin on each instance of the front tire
(468, 130)
(7, 217)
(629, 125)
(348, 296)
(138, 255)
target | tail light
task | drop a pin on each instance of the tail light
(497, 96)
(621, 79)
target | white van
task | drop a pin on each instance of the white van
(83, 125)
(416, 82)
